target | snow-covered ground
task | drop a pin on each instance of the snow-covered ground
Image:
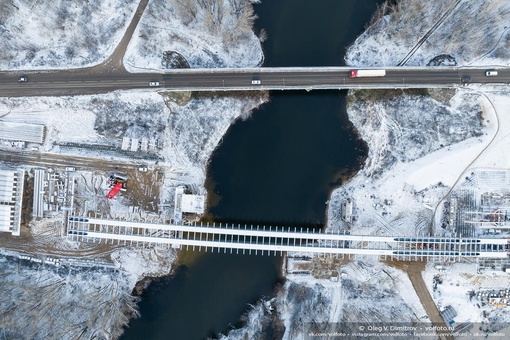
(187, 128)
(45, 301)
(187, 133)
(421, 143)
(226, 38)
(418, 149)
(366, 292)
(458, 280)
(56, 34)
(464, 33)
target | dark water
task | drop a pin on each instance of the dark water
(277, 167)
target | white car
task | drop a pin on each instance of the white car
(142, 168)
(491, 73)
(255, 82)
(70, 168)
(154, 83)
(23, 79)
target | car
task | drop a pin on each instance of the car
(142, 168)
(491, 73)
(70, 168)
(255, 82)
(23, 79)
(154, 83)
(465, 80)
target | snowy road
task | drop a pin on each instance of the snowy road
(60, 161)
(76, 82)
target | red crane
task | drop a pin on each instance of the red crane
(114, 191)
(116, 182)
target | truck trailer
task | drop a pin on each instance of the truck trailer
(367, 73)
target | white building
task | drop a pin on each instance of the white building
(186, 203)
(11, 196)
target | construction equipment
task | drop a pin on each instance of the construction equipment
(117, 182)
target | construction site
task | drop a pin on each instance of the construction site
(478, 208)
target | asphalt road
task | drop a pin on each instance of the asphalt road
(75, 82)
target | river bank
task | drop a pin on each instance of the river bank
(253, 177)
(421, 143)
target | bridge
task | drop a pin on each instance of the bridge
(86, 81)
(273, 240)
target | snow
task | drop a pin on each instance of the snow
(413, 158)
(55, 34)
(225, 39)
(187, 129)
(421, 144)
(370, 292)
(389, 39)
(458, 280)
(41, 300)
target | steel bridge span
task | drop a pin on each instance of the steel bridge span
(271, 240)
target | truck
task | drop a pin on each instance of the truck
(367, 73)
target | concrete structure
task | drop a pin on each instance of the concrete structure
(38, 197)
(193, 204)
(187, 203)
(11, 196)
(31, 133)
(270, 239)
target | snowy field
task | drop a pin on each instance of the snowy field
(188, 133)
(205, 34)
(367, 292)
(56, 34)
(53, 301)
(463, 33)
(418, 148)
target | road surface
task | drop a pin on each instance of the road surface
(82, 81)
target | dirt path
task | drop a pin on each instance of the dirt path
(414, 270)
(114, 62)
(428, 34)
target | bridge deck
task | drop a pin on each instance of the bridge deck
(271, 239)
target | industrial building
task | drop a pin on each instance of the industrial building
(11, 195)
(30, 133)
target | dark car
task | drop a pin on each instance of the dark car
(465, 80)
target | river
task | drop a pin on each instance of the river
(277, 167)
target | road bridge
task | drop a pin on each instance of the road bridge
(271, 240)
(74, 82)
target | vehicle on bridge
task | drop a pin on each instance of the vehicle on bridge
(367, 73)
(465, 80)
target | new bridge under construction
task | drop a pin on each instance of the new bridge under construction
(252, 239)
